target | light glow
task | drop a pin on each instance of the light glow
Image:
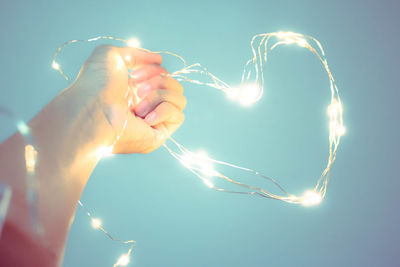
(30, 158)
(120, 63)
(104, 151)
(133, 42)
(311, 198)
(245, 94)
(123, 260)
(55, 66)
(208, 183)
(96, 223)
(301, 42)
(341, 130)
(199, 161)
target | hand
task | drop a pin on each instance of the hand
(149, 121)
(68, 132)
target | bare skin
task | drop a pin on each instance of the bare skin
(68, 131)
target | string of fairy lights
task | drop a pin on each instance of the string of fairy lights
(200, 164)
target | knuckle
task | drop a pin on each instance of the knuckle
(154, 95)
(160, 81)
(158, 94)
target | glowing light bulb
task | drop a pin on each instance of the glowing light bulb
(280, 35)
(301, 42)
(199, 161)
(335, 109)
(337, 129)
(246, 94)
(310, 198)
(96, 223)
(208, 183)
(104, 151)
(55, 65)
(133, 42)
(205, 165)
(30, 158)
(291, 198)
(123, 260)
(285, 35)
(341, 130)
(188, 160)
(333, 125)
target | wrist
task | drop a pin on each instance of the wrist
(67, 133)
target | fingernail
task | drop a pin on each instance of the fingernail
(142, 108)
(143, 89)
(139, 75)
(151, 117)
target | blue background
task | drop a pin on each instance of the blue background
(175, 219)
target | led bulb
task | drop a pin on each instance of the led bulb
(341, 130)
(205, 165)
(133, 42)
(246, 94)
(301, 42)
(310, 198)
(335, 109)
(55, 65)
(123, 260)
(96, 223)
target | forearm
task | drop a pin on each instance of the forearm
(67, 133)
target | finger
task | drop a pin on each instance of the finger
(137, 56)
(165, 113)
(146, 72)
(155, 97)
(159, 82)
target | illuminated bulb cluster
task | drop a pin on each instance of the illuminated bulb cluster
(245, 94)
(310, 198)
(199, 161)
